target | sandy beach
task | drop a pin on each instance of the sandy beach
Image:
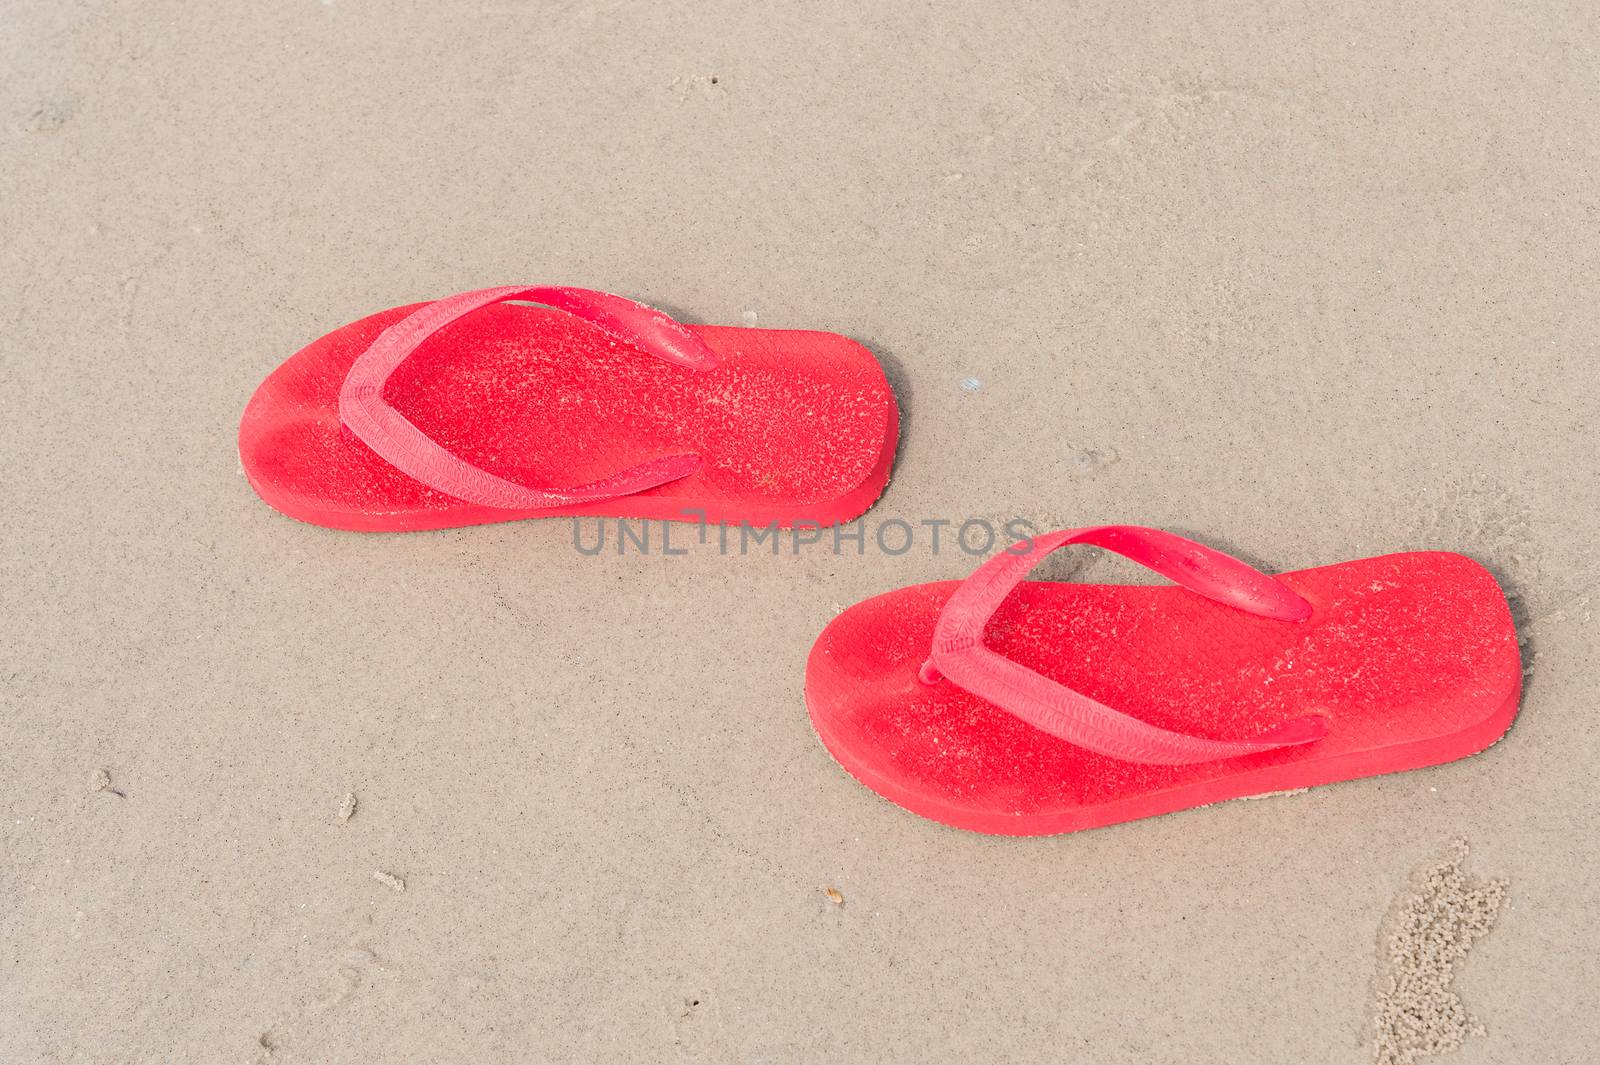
(1309, 283)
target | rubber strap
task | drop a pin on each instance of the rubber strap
(386, 431)
(959, 653)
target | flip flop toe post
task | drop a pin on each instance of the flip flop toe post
(1030, 708)
(481, 408)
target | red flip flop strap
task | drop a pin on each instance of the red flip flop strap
(960, 655)
(386, 431)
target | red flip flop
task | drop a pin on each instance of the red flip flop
(1030, 708)
(471, 410)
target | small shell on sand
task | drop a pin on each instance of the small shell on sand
(347, 808)
(834, 896)
(389, 880)
(101, 781)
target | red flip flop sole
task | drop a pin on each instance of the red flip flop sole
(1412, 658)
(793, 426)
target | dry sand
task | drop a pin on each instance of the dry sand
(1423, 941)
(1312, 281)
